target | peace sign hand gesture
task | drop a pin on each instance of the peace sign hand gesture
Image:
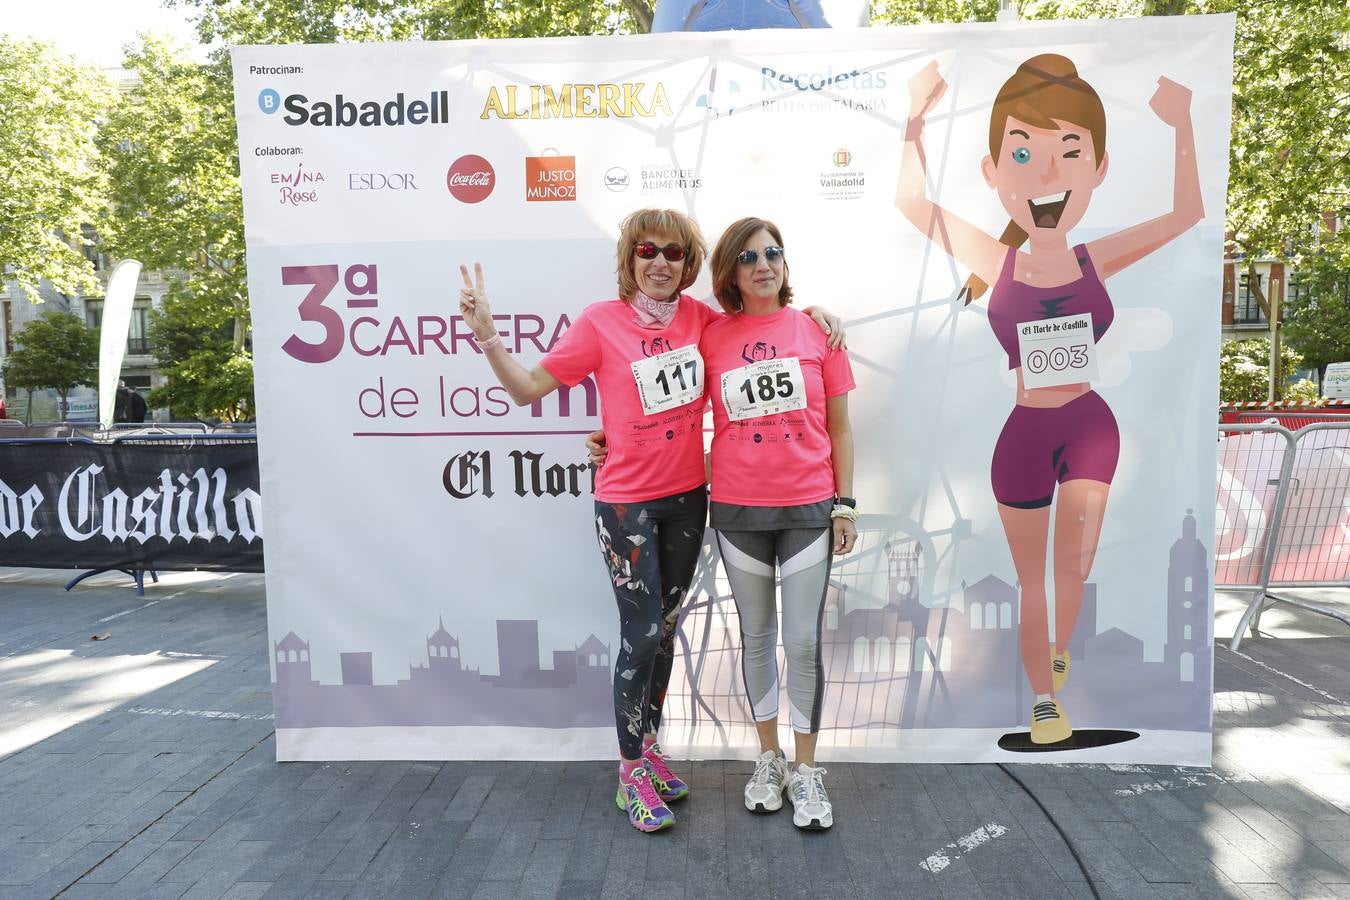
(473, 303)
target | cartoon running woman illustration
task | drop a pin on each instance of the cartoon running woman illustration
(1048, 308)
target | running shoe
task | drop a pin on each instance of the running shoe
(811, 809)
(1059, 670)
(764, 791)
(1049, 725)
(639, 799)
(667, 783)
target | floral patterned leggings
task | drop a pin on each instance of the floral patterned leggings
(651, 549)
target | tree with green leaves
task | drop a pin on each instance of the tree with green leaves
(173, 162)
(1244, 367)
(55, 350)
(49, 110)
(334, 21)
(1317, 320)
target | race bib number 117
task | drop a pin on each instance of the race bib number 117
(668, 380)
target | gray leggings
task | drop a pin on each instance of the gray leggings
(803, 559)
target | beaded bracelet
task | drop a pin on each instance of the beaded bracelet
(491, 342)
(844, 512)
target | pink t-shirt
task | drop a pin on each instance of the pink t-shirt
(781, 459)
(651, 455)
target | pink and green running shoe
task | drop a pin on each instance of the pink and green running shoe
(667, 783)
(646, 811)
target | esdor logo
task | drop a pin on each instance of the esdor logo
(470, 179)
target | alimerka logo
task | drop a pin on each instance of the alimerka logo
(577, 101)
(344, 112)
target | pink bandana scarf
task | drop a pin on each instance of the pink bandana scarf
(654, 314)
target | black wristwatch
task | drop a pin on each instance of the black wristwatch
(846, 501)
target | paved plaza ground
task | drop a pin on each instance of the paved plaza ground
(143, 765)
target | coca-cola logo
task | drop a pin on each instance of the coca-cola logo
(470, 179)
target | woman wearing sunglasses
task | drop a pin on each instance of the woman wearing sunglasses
(782, 476)
(650, 498)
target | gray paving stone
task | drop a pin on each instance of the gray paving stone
(359, 850)
(470, 796)
(435, 847)
(223, 873)
(466, 868)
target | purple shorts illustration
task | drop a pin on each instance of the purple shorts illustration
(1041, 447)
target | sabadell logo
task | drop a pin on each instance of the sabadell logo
(345, 112)
(470, 179)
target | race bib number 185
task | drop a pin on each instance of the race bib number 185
(764, 388)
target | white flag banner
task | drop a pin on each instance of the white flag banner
(435, 589)
(112, 334)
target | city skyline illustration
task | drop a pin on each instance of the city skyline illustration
(900, 665)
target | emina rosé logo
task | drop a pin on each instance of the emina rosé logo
(470, 179)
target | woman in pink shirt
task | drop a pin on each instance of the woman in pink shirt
(782, 476)
(650, 497)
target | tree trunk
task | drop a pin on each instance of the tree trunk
(1165, 8)
(1272, 313)
(641, 11)
(240, 326)
(28, 413)
(1254, 286)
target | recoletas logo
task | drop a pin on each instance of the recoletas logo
(345, 112)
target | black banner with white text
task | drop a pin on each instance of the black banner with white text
(167, 506)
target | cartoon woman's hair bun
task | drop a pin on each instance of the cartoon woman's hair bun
(1050, 66)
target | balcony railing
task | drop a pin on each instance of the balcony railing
(1249, 313)
(138, 345)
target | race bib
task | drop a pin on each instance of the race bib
(764, 388)
(668, 380)
(1057, 351)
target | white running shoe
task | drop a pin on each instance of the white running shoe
(810, 804)
(764, 791)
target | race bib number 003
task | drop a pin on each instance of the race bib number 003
(1057, 351)
(668, 380)
(764, 388)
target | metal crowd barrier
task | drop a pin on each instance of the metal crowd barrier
(1284, 515)
(16, 429)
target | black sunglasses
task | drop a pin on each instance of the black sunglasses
(750, 257)
(649, 250)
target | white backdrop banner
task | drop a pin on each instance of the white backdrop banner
(434, 585)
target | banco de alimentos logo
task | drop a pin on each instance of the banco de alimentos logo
(344, 111)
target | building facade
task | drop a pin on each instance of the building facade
(140, 368)
(1242, 317)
